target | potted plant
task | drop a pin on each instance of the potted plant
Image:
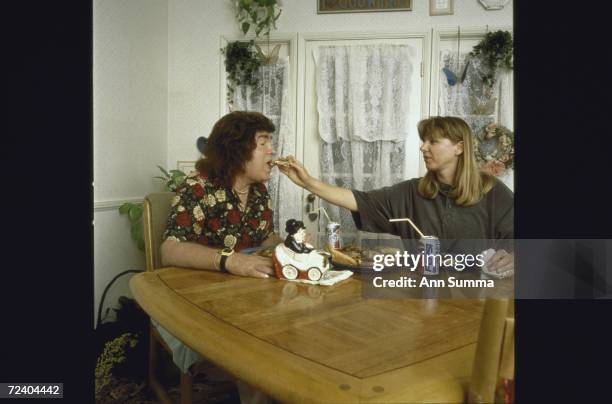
(243, 58)
(134, 210)
(495, 49)
(258, 15)
(241, 66)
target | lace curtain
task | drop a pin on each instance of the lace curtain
(363, 105)
(271, 98)
(474, 102)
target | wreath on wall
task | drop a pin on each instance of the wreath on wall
(494, 145)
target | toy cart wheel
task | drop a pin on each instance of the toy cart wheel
(314, 274)
(290, 272)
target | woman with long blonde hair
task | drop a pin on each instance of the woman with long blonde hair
(454, 200)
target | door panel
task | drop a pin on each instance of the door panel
(308, 108)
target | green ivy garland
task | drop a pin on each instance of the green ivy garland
(241, 65)
(496, 50)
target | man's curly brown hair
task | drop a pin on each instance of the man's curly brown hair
(231, 144)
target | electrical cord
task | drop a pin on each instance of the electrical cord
(106, 290)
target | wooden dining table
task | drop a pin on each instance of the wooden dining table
(311, 343)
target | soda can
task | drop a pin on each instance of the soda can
(333, 235)
(430, 247)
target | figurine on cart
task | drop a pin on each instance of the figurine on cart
(297, 260)
(296, 234)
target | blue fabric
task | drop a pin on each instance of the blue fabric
(182, 356)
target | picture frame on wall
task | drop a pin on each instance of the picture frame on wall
(441, 7)
(185, 166)
(361, 6)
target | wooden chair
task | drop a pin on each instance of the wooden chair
(155, 215)
(493, 369)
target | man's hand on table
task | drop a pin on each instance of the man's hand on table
(249, 265)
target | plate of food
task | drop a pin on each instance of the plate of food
(357, 259)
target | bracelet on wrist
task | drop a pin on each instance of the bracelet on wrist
(216, 261)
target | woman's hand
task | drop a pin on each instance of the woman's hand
(249, 265)
(501, 263)
(295, 171)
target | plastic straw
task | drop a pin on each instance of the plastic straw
(405, 219)
(323, 209)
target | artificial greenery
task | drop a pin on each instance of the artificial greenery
(173, 179)
(114, 353)
(258, 15)
(241, 65)
(496, 50)
(134, 210)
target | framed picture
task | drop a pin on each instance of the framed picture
(362, 6)
(185, 166)
(441, 7)
(493, 4)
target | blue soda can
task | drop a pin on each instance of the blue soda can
(430, 247)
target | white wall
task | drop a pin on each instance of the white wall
(194, 66)
(130, 95)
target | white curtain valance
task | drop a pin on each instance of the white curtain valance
(363, 92)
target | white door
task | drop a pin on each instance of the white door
(308, 136)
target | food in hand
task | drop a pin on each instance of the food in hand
(283, 162)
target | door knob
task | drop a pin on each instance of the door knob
(312, 215)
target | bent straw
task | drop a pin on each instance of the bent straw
(323, 209)
(409, 221)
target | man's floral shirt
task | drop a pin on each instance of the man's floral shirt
(207, 212)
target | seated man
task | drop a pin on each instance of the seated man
(222, 208)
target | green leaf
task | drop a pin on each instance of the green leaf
(138, 227)
(136, 232)
(177, 172)
(163, 170)
(161, 178)
(245, 27)
(176, 183)
(135, 212)
(123, 209)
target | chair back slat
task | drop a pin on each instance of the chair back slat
(485, 372)
(156, 209)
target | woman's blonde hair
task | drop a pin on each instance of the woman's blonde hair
(470, 184)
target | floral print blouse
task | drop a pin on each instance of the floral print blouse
(209, 213)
